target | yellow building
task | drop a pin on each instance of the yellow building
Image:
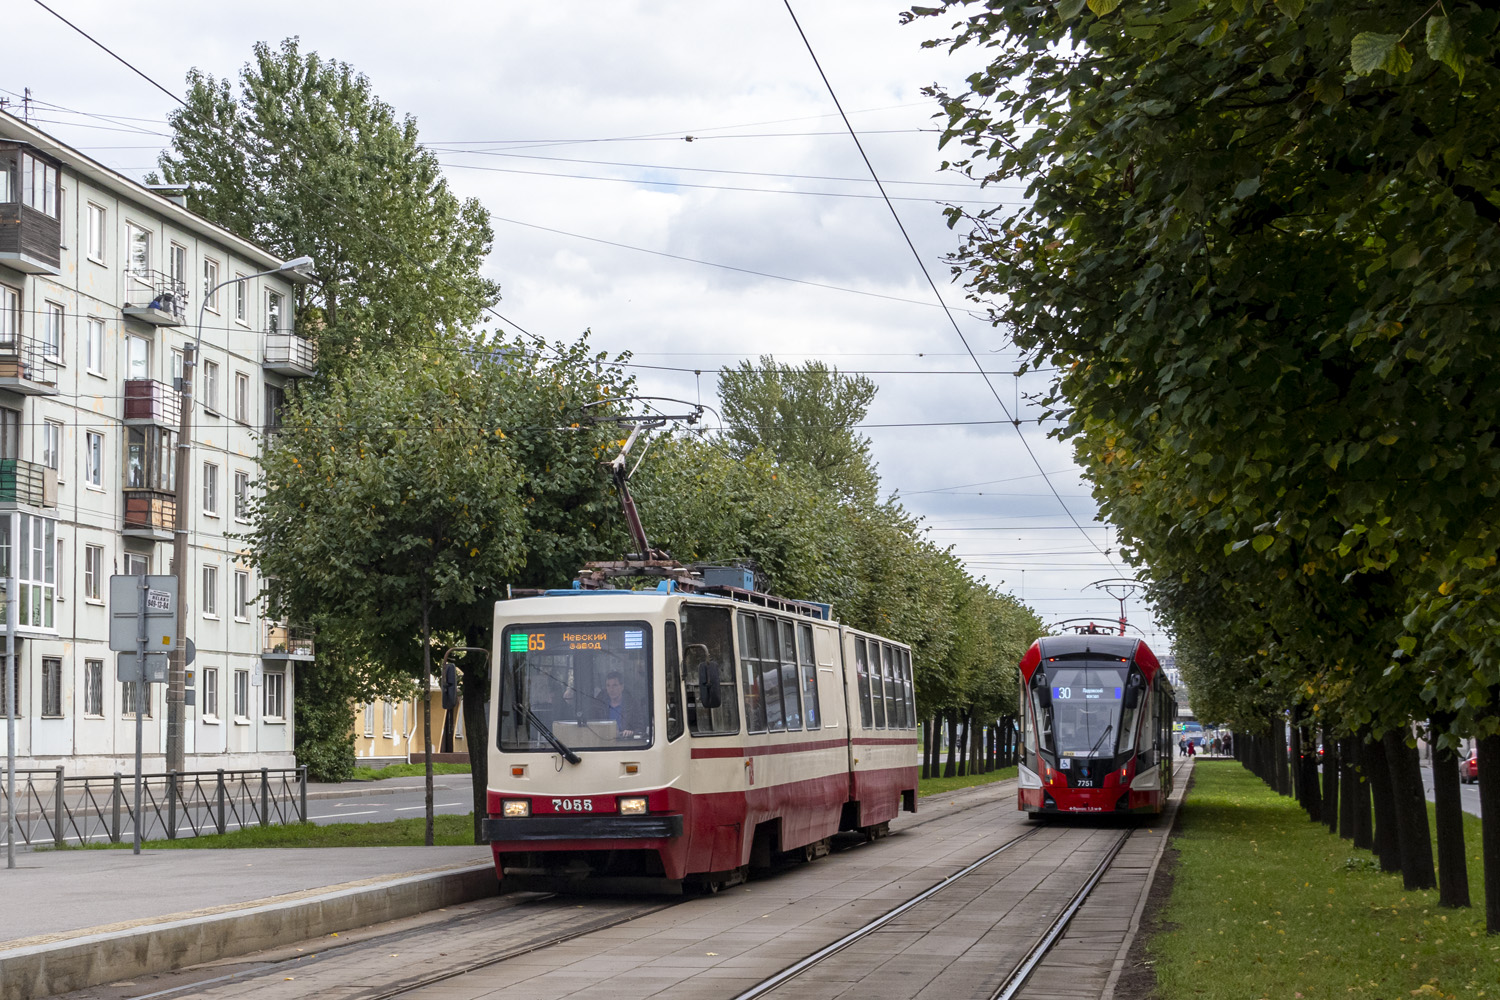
(390, 732)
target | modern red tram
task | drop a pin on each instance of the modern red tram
(687, 737)
(1097, 715)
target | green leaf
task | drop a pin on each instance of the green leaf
(1246, 188)
(1263, 542)
(1103, 7)
(1291, 8)
(1441, 45)
(1371, 51)
(1408, 256)
(1069, 9)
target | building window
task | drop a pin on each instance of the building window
(210, 489)
(273, 691)
(210, 591)
(273, 312)
(242, 695)
(93, 571)
(387, 719)
(179, 368)
(52, 331)
(52, 435)
(239, 297)
(139, 245)
(177, 265)
(137, 565)
(211, 285)
(150, 459)
(93, 458)
(242, 495)
(36, 569)
(10, 315)
(51, 687)
(39, 185)
(211, 385)
(96, 234)
(369, 719)
(211, 692)
(241, 595)
(10, 432)
(242, 397)
(275, 400)
(94, 347)
(93, 688)
(129, 690)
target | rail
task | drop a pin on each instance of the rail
(57, 809)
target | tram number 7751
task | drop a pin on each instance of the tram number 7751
(1083, 784)
(573, 805)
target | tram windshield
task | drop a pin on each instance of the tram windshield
(1086, 699)
(586, 686)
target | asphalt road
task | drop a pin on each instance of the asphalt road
(450, 794)
(1468, 793)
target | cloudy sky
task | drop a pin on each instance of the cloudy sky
(674, 177)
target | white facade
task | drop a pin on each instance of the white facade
(90, 342)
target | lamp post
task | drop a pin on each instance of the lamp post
(177, 665)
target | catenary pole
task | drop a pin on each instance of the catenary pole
(10, 713)
(142, 692)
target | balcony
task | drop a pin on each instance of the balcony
(27, 483)
(150, 514)
(148, 401)
(289, 354)
(286, 642)
(30, 241)
(155, 298)
(26, 367)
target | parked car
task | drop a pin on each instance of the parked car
(1468, 768)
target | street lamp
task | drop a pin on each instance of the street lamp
(299, 268)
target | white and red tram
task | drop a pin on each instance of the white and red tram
(1097, 713)
(687, 737)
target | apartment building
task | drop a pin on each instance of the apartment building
(102, 283)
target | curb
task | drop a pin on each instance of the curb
(92, 959)
(1118, 967)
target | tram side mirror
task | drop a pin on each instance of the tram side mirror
(1044, 696)
(1134, 687)
(450, 687)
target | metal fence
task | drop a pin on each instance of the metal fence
(56, 809)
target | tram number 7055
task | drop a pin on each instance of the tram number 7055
(573, 805)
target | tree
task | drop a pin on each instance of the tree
(804, 415)
(388, 510)
(305, 159)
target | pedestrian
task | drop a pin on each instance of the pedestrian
(1182, 747)
(1192, 749)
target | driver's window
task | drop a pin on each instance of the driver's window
(708, 669)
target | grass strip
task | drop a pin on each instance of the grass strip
(1267, 904)
(405, 771)
(936, 786)
(447, 831)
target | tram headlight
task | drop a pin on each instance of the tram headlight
(633, 806)
(515, 808)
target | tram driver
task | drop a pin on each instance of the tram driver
(616, 704)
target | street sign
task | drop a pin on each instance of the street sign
(126, 669)
(161, 613)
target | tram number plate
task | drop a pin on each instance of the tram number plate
(581, 805)
(1083, 784)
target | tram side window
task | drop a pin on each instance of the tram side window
(791, 688)
(770, 676)
(755, 702)
(708, 648)
(877, 690)
(1130, 716)
(809, 662)
(862, 670)
(895, 691)
(911, 691)
(674, 684)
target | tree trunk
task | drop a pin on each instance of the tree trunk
(1330, 781)
(1282, 762)
(950, 767)
(427, 709)
(476, 692)
(963, 746)
(1378, 771)
(1294, 760)
(1414, 837)
(928, 725)
(1453, 867)
(1363, 821)
(1309, 794)
(1349, 787)
(1489, 805)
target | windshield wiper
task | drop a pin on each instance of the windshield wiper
(546, 731)
(1106, 732)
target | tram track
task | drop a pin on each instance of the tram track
(1020, 973)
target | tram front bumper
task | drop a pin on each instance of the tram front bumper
(581, 828)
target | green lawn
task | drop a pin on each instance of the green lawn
(935, 786)
(448, 831)
(1267, 904)
(405, 771)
